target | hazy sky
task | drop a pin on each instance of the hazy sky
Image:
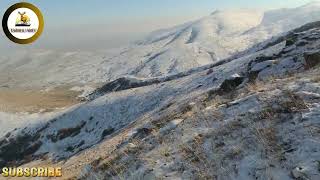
(94, 24)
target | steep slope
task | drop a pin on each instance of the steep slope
(255, 116)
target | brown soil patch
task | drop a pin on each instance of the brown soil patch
(23, 100)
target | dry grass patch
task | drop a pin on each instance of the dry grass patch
(165, 151)
(315, 79)
(267, 138)
(256, 86)
(33, 101)
(294, 104)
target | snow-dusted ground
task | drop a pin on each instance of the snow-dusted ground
(49, 68)
(242, 129)
(10, 121)
(263, 127)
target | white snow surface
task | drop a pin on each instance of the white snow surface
(13, 121)
(206, 40)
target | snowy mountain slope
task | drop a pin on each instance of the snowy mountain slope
(163, 52)
(38, 68)
(9, 121)
(282, 20)
(206, 40)
(145, 115)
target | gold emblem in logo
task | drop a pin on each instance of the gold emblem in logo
(23, 23)
(23, 20)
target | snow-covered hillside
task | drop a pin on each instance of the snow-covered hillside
(38, 68)
(255, 116)
(163, 52)
(205, 41)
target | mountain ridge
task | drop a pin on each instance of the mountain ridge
(212, 38)
(163, 52)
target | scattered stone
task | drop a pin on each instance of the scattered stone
(299, 173)
(291, 41)
(131, 145)
(230, 84)
(302, 43)
(311, 59)
(142, 133)
(170, 126)
(210, 71)
(262, 65)
(70, 132)
(107, 132)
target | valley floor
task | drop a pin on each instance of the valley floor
(21, 107)
(34, 101)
